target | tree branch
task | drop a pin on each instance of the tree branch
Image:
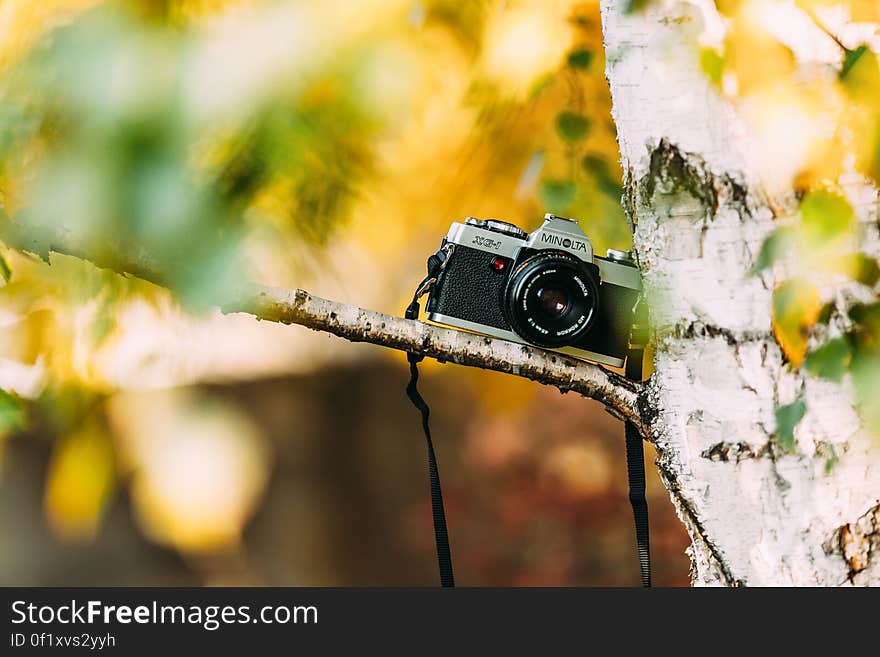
(360, 325)
(618, 394)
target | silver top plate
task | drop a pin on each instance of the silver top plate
(482, 239)
(555, 233)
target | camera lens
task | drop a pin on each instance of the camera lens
(554, 301)
(551, 298)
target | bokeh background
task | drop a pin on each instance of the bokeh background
(146, 438)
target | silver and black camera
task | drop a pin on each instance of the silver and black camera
(545, 288)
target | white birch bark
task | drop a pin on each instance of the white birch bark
(756, 515)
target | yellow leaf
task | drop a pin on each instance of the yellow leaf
(712, 64)
(861, 75)
(796, 307)
(757, 58)
(81, 477)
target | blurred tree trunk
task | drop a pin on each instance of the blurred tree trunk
(757, 514)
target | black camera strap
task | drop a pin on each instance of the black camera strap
(635, 470)
(441, 535)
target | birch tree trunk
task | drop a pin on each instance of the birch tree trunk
(756, 514)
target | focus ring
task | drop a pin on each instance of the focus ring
(563, 275)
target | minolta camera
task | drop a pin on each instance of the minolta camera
(545, 288)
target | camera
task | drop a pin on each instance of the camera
(545, 288)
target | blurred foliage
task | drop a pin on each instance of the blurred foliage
(80, 480)
(196, 472)
(217, 141)
(210, 142)
(787, 417)
(816, 129)
(796, 307)
(138, 134)
(11, 413)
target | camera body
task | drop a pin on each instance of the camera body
(546, 288)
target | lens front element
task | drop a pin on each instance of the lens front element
(554, 301)
(552, 298)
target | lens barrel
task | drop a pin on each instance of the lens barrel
(552, 298)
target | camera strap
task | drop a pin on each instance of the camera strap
(441, 535)
(635, 470)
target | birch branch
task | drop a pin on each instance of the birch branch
(360, 325)
(617, 393)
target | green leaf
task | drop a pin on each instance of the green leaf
(825, 313)
(612, 189)
(866, 270)
(557, 195)
(572, 127)
(596, 165)
(712, 65)
(580, 58)
(5, 270)
(825, 216)
(630, 6)
(865, 370)
(857, 266)
(787, 418)
(11, 413)
(850, 59)
(867, 316)
(831, 360)
(830, 462)
(777, 244)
